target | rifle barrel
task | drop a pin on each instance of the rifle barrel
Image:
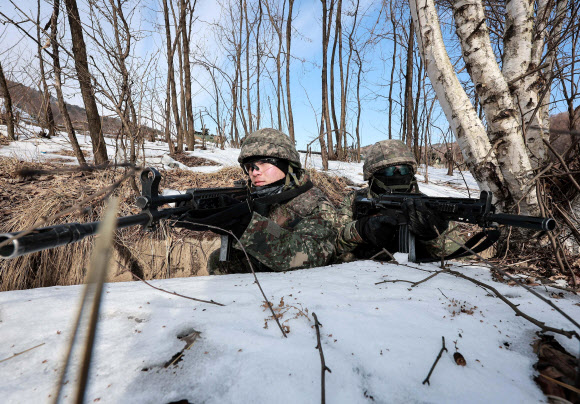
(63, 234)
(527, 222)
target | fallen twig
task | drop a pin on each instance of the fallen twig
(565, 385)
(413, 284)
(517, 281)
(435, 363)
(384, 251)
(392, 281)
(324, 368)
(20, 353)
(427, 278)
(171, 293)
(515, 308)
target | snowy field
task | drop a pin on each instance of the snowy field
(379, 340)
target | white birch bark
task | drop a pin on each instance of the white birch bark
(501, 111)
(551, 55)
(523, 46)
(461, 115)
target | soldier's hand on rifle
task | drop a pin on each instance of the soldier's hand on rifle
(234, 218)
(377, 230)
(423, 221)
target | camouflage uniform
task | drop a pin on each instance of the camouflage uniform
(295, 234)
(349, 244)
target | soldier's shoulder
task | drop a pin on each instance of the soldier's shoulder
(309, 201)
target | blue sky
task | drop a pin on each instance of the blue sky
(305, 67)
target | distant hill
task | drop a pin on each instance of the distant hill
(28, 101)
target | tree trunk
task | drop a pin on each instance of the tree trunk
(258, 62)
(248, 99)
(408, 132)
(7, 105)
(46, 109)
(393, 61)
(462, 117)
(416, 150)
(288, 57)
(84, 78)
(326, 18)
(501, 111)
(187, 72)
(337, 37)
(58, 85)
(171, 78)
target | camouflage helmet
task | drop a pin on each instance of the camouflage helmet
(269, 142)
(387, 153)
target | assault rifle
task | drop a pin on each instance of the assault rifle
(196, 202)
(467, 210)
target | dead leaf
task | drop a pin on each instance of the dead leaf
(459, 359)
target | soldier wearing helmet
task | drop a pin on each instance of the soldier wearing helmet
(289, 224)
(389, 167)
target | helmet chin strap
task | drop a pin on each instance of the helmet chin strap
(291, 176)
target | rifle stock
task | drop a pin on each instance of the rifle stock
(203, 201)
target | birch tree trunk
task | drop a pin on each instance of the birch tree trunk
(465, 124)
(497, 156)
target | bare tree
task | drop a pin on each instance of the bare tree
(7, 104)
(57, 72)
(84, 78)
(326, 126)
(171, 88)
(45, 108)
(288, 58)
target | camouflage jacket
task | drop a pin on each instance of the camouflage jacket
(297, 234)
(349, 242)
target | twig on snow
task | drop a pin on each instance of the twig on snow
(392, 281)
(324, 368)
(385, 251)
(435, 363)
(174, 293)
(434, 274)
(515, 308)
(569, 334)
(20, 353)
(413, 284)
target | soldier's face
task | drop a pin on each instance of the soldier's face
(262, 174)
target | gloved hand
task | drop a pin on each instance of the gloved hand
(422, 220)
(235, 219)
(377, 230)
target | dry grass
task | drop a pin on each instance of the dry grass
(4, 141)
(164, 253)
(192, 161)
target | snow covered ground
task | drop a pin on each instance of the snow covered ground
(379, 340)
